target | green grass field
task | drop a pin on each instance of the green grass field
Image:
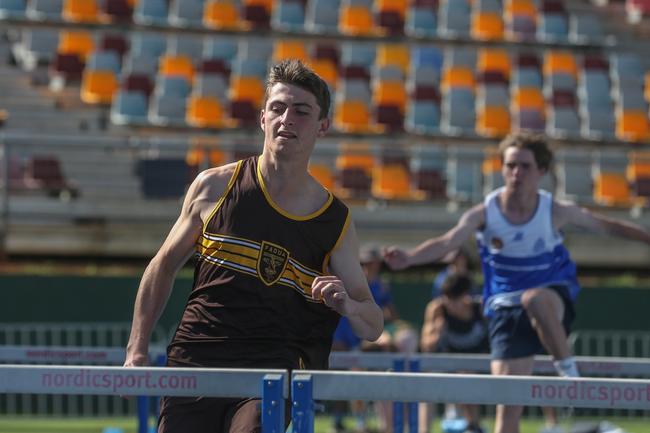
(323, 423)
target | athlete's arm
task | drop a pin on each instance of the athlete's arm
(346, 290)
(435, 248)
(433, 327)
(565, 212)
(158, 278)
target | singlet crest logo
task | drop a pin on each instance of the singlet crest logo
(496, 243)
(271, 263)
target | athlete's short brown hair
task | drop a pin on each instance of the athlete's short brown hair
(536, 143)
(294, 72)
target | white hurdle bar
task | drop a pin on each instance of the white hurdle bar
(461, 388)
(440, 363)
(448, 363)
(269, 385)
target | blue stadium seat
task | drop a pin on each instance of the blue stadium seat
(422, 117)
(288, 16)
(210, 85)
(129, 108)
(220, 48)
(493, 95)
(458, 112)
(150, 12)
(104, 61)
(322, 16)
(421, 22)
(172, 86)
(37, 47)
(249, 67)
(527, 77)
(552, 28)
(186, 13)
(560, 81)
(44, 10)
(599, 123)
(185, 45)
(427, 56)
(585, 29)
(563, 122)
(460, 56)
(151, 45)
(454, 18)
(12, 9)
(358, 53)
(167, 110)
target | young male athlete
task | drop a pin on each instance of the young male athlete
(277, 263)
(530, 280)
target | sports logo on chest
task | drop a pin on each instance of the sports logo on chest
(272, 262)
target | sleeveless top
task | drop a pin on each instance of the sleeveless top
(251, 305)
(465, 336)
(516, 257)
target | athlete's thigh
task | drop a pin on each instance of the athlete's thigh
(548, 298)
(192, 414)
(244, 417)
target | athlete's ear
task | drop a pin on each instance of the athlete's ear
(324, 126)
(262, 113)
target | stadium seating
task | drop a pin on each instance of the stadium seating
(421, 70)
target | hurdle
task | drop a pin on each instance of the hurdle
(308, 386)
(589, 366)
(269, 385)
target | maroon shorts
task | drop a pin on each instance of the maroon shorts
(211, 415)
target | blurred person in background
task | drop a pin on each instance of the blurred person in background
(398, 336)
(530, 283)
(454, 323)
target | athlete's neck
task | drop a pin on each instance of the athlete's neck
(518, 205)
(282, 175)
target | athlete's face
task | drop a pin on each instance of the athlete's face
(520, 170)
(290, 120)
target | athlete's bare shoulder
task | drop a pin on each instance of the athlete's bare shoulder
(212, 183)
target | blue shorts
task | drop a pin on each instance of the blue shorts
(513, 336)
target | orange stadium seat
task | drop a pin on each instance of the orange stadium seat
(632, 125)
(458, 76)
(528, 98)
(98, 87)
(560, 61)
(612, 189)
(352, 116)
(393, 182)
(221, 14)
(361, 160)
(487, 26)
(394, 55)
(646, 92)
(77, 42)
(323, 174)
(249, 89)
(390, 93)
(326, 69)
(176, 66)
(80, 11)
(493, 60)
(492, 162)
(638, 165)
(289, 49)
(204, 112)
(493, 121)
(356, 20)
(521, 7)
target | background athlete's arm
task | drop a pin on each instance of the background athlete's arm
(158, 278)
(346, 290)
(433, 327)
(565, 212)
(435, 248)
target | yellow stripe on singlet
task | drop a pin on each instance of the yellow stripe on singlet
(241, 255)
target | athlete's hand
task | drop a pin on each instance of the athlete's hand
(396, 258)
(136, 359)
(331, 291)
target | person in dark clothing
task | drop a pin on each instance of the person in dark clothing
(454, 323)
